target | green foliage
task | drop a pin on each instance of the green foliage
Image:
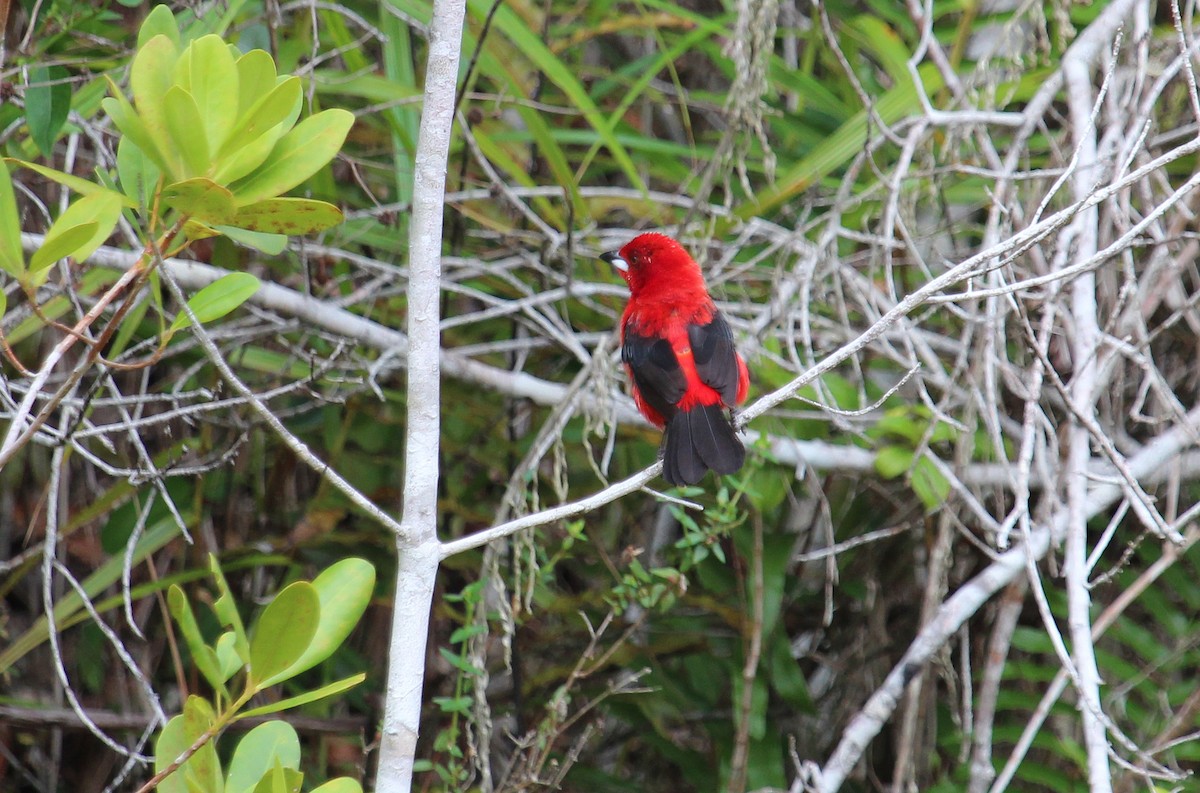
(299, 628)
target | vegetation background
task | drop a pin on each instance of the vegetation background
(956, 242)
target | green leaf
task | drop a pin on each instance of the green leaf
(280, 780)
(259, 751)
(12, 258)
(336, 687)
(342, 784)
(131, 126)
(344, 591)
(207, 72)
(217, 299)
(929, 484)
(159, 22)
(47, 103)
(150, 80)
(170, 744)
(229, 662)
(226, 608)
(202, 770)
(269, 111)
(204, 767)
(270, 244)
(290, 216)
(283, 633)
(298, 155)
(202, 655)
(61, 242)
(256, 78)
(186, 125)
(893, 461)
(98, 213)
(202, 199)
(137, 173)
(85, 187)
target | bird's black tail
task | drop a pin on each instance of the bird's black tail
(697, 440)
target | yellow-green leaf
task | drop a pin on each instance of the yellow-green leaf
(186, 126)
(217, 299)
(289, 216)
(202, 199)
(150, 79)
(256, 78)
(270, 244)
(98, 213)
(207, 71)
(61, 242)
(131, 126)
(160, 21)
(84, 187)
(270, 110)
(298, 155)
(137, 172)
(12, 260)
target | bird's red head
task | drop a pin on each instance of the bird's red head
(655, 259)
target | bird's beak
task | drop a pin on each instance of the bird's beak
(614, 258)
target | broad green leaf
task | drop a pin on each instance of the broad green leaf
(256, 78)
(283, 633)
(342, 784)
(291, 216)
(202, 655)
(12, 259)
(47, 103)
(344, 590)
(271, 109)
(336, 687)
(893, 461)
(61, 242)
(243, 160)
(258, 751)
(217, 299)
(3, 302)
(186, 125)
(170, 744)
(85, 187)
(207, 71)
(137, 173)
(99, 212)
(150, 79)
(202, 199)
(131, 126)
(203, 767)
(270, 244)
(160, 21)
(298, 155)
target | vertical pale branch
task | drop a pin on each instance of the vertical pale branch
(1084, 392)
(417, 543)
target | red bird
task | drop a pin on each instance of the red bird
(679, 353)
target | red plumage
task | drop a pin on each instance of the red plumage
(679, 353)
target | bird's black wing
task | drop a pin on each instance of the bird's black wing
(655, 371)
(716, 359)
